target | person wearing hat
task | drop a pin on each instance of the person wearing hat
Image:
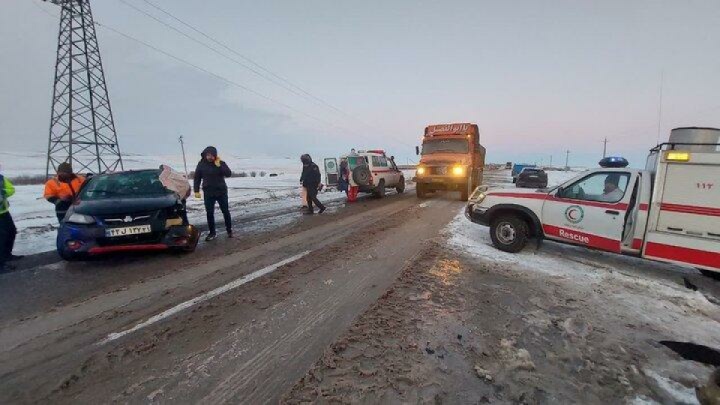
(62, 189)
(310, 180)
(7, 225)
(211, 172)
(612, 192)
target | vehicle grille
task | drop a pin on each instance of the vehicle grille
(131, 218)
(438, 170)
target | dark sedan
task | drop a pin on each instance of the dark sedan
(125, 211)
(531, 177)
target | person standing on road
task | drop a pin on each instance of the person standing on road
(8, 231)
(62, 189)
(310, 180)
(211, 171)
(344, 177)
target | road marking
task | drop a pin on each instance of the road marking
(214, 293)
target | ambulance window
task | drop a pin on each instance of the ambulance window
(379, 161)
(603, 187)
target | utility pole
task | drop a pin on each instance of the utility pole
(660, 103)
(550, 160)
(567, 159)
(605, 147)
(82, 130)
(182, 146)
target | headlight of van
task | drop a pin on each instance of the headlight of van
(76, 218)
(458, 170)
(420, 171)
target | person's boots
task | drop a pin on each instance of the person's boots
(322, 209)
(211, 236)
(229, 233)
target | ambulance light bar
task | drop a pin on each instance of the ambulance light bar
(677, 156)
(613, 161)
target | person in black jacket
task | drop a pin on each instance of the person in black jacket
(211, 171)
(310, 179)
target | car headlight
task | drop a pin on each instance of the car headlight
(420, 171)
(458, 170)
(76, 218)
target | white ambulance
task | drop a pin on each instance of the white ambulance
(668, 212)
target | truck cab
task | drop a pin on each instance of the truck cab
(669, 211)
(451, 159)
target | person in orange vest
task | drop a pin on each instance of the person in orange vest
(62, 189)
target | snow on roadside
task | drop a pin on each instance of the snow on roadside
(629, 280)
(631, 289)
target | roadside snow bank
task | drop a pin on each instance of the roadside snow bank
(645, 301)
(650, 290)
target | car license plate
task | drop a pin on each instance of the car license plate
(129, 230)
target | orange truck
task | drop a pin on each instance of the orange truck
(451, 159)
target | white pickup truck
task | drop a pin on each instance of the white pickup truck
(668, 212)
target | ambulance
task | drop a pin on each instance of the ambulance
(668, 212)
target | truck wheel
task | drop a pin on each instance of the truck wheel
(380, 190)
(401, 186)
(509, 233)
(420, 191)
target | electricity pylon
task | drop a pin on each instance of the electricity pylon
(82, 130)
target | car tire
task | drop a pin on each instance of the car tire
(361, 175)
(69, 257)
(401, 186)
(380, 190)
(509, 233)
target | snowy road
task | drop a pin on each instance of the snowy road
(393, 300)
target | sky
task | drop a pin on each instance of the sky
(538, 77)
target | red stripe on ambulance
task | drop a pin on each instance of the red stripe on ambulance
(690, 209)
(683, 254)
(583, 238)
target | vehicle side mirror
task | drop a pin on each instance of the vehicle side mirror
(560, 192)
(417, 150)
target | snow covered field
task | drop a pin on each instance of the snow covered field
(36, 221)
(35, 217)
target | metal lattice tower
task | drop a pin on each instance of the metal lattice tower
(82, 130)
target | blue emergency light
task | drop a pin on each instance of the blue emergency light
(613, 161)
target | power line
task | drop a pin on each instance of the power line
(217, 76)
(213, 74)
(246, 58)
(239, 63)
(286, 84)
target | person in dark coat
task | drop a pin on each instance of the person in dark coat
(310, 179)
(8, 231)
(211, 171)
(344, 177)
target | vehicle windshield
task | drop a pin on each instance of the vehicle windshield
(532, 171)
(124, 185)
(445, 145)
